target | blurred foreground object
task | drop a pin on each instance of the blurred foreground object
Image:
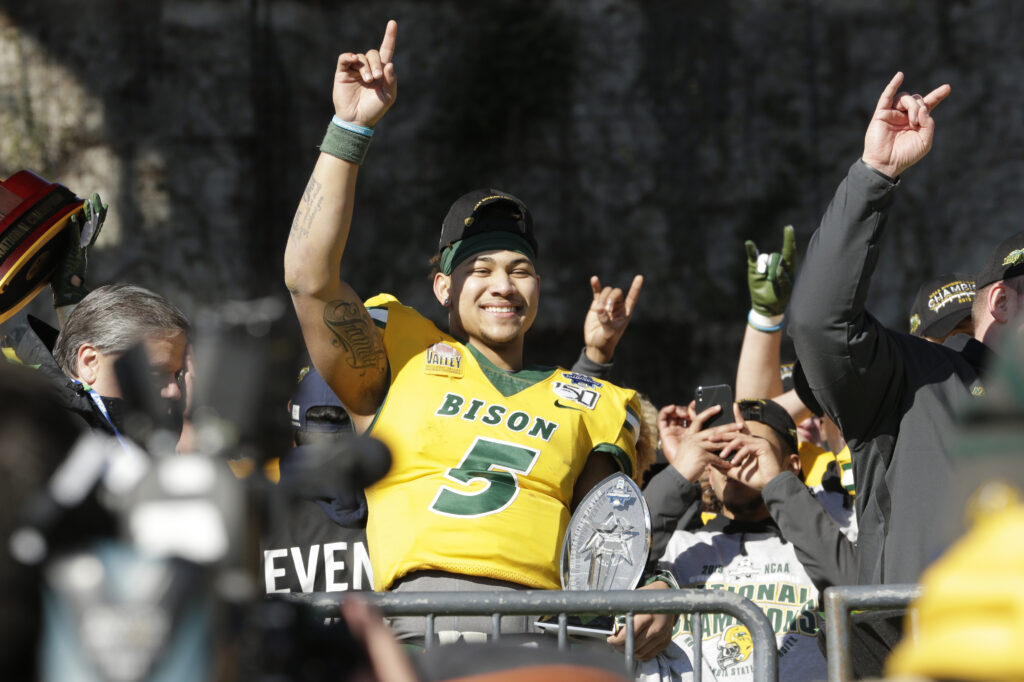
(972, 613)
(34, 218)
(972, 599)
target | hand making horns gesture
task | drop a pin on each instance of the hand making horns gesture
(607, 318)
(901, 129)
(365, 84)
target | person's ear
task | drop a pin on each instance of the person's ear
(999, 303)
(443, 289)
(792, 463)
(87, 363)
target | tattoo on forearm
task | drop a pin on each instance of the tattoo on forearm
(309, 208)
(354, 332)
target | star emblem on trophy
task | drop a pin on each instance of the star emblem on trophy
(607, 542)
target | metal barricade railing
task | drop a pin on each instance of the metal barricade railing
(562, 603)
(839, 601)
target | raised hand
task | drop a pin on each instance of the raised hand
(365, 84)
(608, 317)
(68, 282)
(687, 445)
(770, 276)
(754, 461)
(901, 130)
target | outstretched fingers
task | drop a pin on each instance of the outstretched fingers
(935, 97)
(886, 98)
(634, 293)
(387, 45)
(788, 243)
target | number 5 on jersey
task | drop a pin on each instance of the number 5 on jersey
(494, 462)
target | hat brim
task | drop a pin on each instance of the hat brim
(944, 325)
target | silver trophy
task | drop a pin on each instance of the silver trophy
(605, 547)
(608, 539)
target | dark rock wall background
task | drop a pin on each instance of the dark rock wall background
(647, 136)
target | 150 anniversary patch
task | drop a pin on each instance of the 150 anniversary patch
(575, 393)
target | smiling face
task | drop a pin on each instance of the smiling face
(493, 298)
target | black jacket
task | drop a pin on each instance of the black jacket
(893, 395)
(32, 344)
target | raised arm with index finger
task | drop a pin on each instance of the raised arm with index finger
(488, 452)
(342, 340)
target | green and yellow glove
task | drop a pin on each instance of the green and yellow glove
(770, 280)
(68, 281)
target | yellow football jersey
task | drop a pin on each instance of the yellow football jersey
(484, 460)
(814, 461)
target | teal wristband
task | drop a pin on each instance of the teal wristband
(358, 129)
(763, 323)
(345, 144)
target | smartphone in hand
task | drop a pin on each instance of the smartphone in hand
(719, 394)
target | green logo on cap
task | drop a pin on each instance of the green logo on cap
(1015, 257)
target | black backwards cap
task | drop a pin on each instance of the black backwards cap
(770, 413)
(941, 304)
(313, 391)
(1006, 261)
(486, 210)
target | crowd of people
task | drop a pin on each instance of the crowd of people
(831, 470)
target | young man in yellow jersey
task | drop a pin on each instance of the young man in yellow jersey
(489, 455)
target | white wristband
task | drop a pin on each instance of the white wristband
(763, 323)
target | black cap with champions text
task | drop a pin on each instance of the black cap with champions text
(486, 210)
(941, 304)
(1006, 261)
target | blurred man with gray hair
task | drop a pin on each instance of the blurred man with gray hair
(107, 323)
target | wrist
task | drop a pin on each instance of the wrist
(352, 127)
(345, 141)
(598, 356)
(765, 323)
(689, 471)
(888, 171)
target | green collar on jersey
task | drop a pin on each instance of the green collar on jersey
(510, 383)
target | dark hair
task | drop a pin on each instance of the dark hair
(115, 318)
(331, 415)
(435, 265)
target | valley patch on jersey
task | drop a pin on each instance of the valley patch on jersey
(484, 460)
(443, 359)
